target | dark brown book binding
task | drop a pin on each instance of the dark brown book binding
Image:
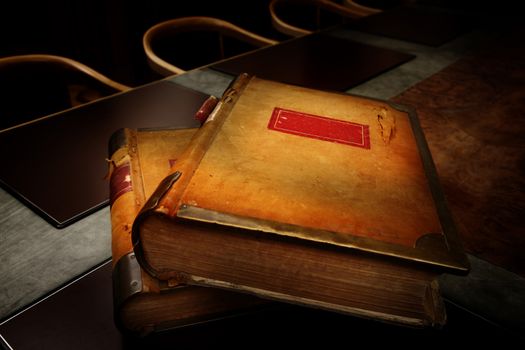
(142, 303)
(301, 191)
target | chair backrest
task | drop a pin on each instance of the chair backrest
(302, 17)
(360, 9)
(186, 40)
(38, 85)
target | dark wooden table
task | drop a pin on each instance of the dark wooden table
(471, 112)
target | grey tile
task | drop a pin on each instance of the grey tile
(206, 80)
(36, 258)
(490, 292)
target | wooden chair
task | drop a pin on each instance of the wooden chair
(302, 17)
(38, 85)
(180, 44)
(361, 9)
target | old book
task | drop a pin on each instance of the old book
(306, 196)
(139, 159)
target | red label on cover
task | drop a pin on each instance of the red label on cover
(120, 182)
(322, 128)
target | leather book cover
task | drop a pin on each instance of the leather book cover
(321, 166)
(322, 173)
(139, 159)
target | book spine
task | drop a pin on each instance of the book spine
(166, 198)
(125, 200)
(117, 141)
(125, 190)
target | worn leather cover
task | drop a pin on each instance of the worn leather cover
(137, 165)
(142, 304)
(320, 166)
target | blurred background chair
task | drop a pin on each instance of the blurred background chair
(37, 85)
(361, 8)
(302, 17)
(181, 44)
